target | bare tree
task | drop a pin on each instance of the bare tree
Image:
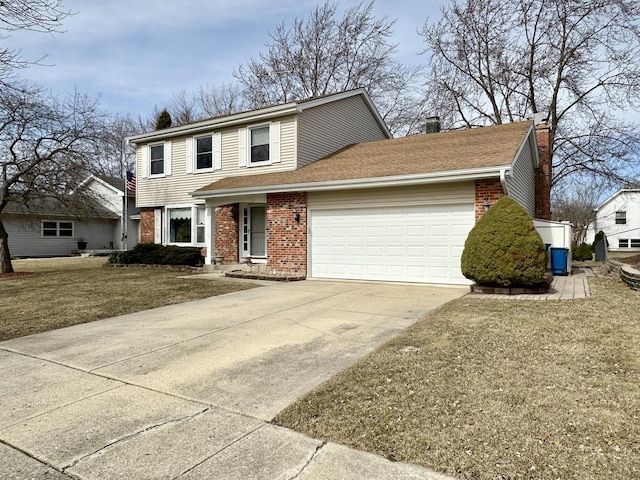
(576, 201)
(223, 99)
(184, 109)
(46, 150)
(325, 54)
(44, 16)
(115, 156)
(576, 61)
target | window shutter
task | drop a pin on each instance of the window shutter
(167, 157)
(216, 147)
(242, 147)
(274, 142)
(189, 154)
(144, 160)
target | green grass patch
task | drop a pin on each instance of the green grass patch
(63, 292)
(484, 389)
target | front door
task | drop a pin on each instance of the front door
(254, 238)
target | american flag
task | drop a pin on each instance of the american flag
(131, 181)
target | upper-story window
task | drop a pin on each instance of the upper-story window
(204, 153)
(621, 217)
(259, 137)
(259, 144)
(156, 159)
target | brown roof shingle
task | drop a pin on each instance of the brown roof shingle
(421, 154)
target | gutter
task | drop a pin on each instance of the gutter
(207, 125)
(360, 183)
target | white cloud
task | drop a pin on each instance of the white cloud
(136, 53)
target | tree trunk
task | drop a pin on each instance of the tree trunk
(5, 256)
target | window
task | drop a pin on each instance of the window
(179, 225)
(635, 243)
(259, 137)
(200, 214)
(621, 217)
(182, 229)
(156, 156)
(258, 145)
(55, 229)
(204, 153)
(623, 243)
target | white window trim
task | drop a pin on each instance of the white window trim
(194, 231)
(244, 144)
(57, 222)
(166, 159)
(216, 153)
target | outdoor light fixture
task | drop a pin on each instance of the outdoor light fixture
(296, 217)
(233, 214)
(486, 204)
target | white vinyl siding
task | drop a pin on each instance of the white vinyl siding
(176, 189)
(327, 128)
(609, 219)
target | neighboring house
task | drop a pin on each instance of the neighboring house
(619, 218)
(49, 228)
(319, 188)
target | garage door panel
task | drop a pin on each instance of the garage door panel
(421, 243)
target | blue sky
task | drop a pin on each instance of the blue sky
(135, 54)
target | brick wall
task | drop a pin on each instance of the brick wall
(226, 232)
(543, 173)
(147, 225)
(286, 237)
(490, 189)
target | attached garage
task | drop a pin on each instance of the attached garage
(370, 238)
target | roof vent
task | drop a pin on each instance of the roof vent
(432, 125)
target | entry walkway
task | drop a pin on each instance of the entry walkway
(569, 287)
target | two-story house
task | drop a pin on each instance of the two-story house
(619, 218)
(319, 188)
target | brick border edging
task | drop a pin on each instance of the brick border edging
(629, 275)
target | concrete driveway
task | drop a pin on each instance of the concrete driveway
(186, 391)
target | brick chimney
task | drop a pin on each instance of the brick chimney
(543, 172)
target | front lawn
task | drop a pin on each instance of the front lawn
(66, 291)
(497, 389)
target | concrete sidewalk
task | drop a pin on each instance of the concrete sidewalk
(187, 391)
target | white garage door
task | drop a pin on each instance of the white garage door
(420, 243)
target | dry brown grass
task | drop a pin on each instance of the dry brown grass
(497, 389)
(64, 292)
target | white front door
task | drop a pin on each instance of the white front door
(253, 234)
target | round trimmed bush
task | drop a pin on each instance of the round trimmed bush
(504, 249)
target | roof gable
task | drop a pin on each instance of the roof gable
(257, 115)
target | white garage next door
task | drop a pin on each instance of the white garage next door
(421, 243)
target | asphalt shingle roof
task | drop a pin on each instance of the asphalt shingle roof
(421, 154)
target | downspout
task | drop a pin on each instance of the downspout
(503, 181)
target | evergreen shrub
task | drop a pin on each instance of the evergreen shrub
(581, 252)
(156, 254)
(504, 249)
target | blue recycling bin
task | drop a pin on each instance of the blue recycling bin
(559, 257)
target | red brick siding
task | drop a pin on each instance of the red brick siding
(226, 232)
(490, 189)
(147, 225)
(286, 238)
(543, 173)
